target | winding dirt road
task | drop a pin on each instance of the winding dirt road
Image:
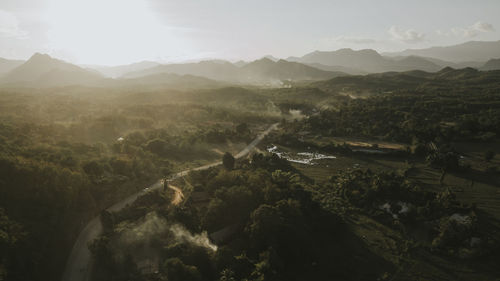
(178, 195)
(78, 266)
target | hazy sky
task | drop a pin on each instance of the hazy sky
(123, 31)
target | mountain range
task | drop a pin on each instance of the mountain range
(44, 71)
(264, 71)
(470, 54)
(472, 51)
(41, 70)
(366, 61)
(446, 79)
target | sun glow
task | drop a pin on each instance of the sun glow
(111, 32)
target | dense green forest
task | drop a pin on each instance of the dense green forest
(415, 117)
(283, 226)
(277, 231)
(410, 185)
(68, 153)
(411, 212)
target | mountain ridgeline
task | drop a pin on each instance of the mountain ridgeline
(467, 52)
(366, 60)
(44, 71)
(263, 71)
(445, 80)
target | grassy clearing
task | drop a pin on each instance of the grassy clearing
(360, 142)
(326, 168)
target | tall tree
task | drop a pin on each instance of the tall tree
(228, 161)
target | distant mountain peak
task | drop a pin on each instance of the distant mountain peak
(43, 70)
(271, 57)
(264, 60)
(345, 50)
(40, 57)
(37, 54)
(46, 60)
(369, 51)
(446, 69)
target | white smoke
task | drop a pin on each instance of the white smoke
(140, 239)
(137, 239)
(149, 227)
(296, 114)
(183, 235)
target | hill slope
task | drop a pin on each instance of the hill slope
(168, 80)
(267, 70)
(338, 68)
(7, 65)
(493, 64)
(445, 80)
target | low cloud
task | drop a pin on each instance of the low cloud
(473, 30)
(354, 40)
(9, 26)
(406, 36)
(344, 41)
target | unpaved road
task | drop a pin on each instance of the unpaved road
(178, 195)
(78, 266)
